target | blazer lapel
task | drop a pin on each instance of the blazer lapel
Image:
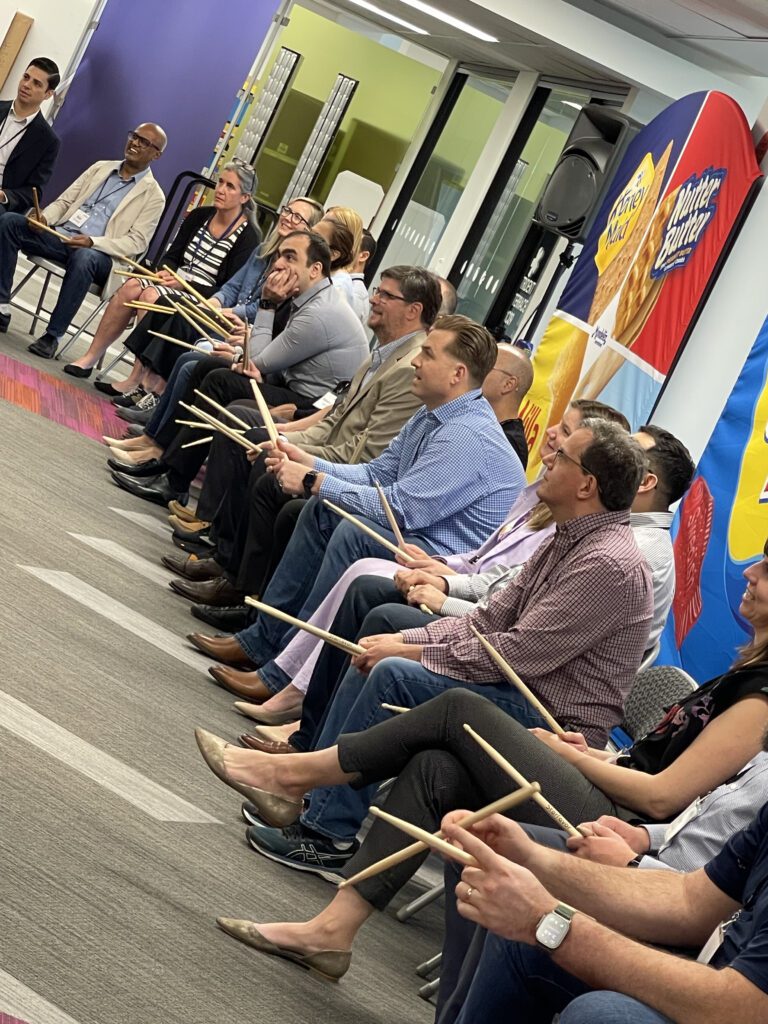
(389, 362)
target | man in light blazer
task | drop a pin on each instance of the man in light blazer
(108, 212)
(28, 145)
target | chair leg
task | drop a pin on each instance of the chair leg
(425, 969)
(36, 315)
(79, 331)
(420, 902)
(427, 991)
(22, 282)
(121, 355)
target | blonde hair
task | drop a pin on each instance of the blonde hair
(753, 653)
(352, 220)
(271, 242)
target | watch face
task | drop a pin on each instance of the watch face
(552, 930)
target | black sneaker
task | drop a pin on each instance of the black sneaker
(128, 399)
(302, 849)
(5, 322)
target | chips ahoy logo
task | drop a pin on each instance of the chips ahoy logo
(694, 208)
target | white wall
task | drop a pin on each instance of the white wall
(55, 33)
(712, 360)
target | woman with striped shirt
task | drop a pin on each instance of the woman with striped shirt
(211, 245)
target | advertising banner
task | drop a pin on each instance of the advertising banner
(721, 528)
(647, 264)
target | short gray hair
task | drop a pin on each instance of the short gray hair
(616, 461)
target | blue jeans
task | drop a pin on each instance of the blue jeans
(321, 549)
(519, 984)
(83, 267)
(339, 811)
(174, 392)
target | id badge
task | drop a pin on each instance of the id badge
(79, 217)
(329, 398)
(680, 822)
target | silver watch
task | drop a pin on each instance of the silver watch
(554, 926)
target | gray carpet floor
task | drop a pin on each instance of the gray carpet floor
(108, 911)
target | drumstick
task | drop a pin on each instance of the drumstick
(330, 638)
(396, 708)
(195, 425)
(174, 341)
(266, 415)
(147, 275)
(513, 773)
(150, 307)
(515, 679)
(134, 263)
(367, 529)
(389, 514)
(218, 425)
(36, 200)
(51, 231)
(504, 803)
(196, 312)
(200, 440)
(193, 322)
(193, 291)
(433, 842)
(221, 409)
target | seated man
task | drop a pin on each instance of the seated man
(322, 341)
(449, 477)
(110, 211)
(28, 144)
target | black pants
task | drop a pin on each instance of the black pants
(440, 768)
(227, 470)
(364, 595)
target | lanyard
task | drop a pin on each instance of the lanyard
(193, 259)
(7, 142)
(120, 187)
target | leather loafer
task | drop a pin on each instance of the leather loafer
(267, 746)
(243, 684)
(181, 511)
(219, 591)
(78, 371)
(152, 468)
(264, 717)
(45, 346)
(220, 648)
(226, 620)
(188, 530)
(330, 964)
(193, 568)
(277, 811)
(155, 489)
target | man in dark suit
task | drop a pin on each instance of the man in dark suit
(28, 145)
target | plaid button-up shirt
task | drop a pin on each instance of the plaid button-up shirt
(573, 624)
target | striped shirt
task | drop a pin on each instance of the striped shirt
(203, 255)
(573, 624)
(710, 821)
(450, 476)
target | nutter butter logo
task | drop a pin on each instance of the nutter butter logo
(693, 210)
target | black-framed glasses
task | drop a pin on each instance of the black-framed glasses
(293, 216)
(382, 293)
(560, 454)
(143, 143)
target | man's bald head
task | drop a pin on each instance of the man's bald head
(517, 364)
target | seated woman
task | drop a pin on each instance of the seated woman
(699, 744)
(353, 288)
(211, 245)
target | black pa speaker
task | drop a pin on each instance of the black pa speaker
(576, 187)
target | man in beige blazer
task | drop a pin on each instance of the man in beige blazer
(108, 212)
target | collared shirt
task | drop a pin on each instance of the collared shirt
(11, 135)
(573, 624)
(450, 476)
(323, 342)
(101, 204)
(380, 353)
(700, 831)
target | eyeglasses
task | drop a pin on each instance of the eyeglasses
(506, 373)
(142, 143)
(293, 216)
(560, 454)
(382, 293)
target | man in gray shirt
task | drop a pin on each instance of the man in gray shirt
(320, 347)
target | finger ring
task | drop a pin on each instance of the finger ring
(470, 890)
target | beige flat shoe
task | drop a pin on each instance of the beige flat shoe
(277, 811)
(125, 444)
(259, 714)
(330, 964)
(129, 457)
(186, 515)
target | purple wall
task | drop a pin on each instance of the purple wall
(169, 61)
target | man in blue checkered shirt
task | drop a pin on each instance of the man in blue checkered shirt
(450, 477)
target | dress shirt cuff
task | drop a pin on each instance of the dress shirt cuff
(456, 608)
(420, 635)
(656, 835)
(460, 587)
(654, 864)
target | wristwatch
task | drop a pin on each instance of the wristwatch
(309, 483)
(554, 926)
(266, 304)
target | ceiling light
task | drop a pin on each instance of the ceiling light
(390, 17)
(449, 20)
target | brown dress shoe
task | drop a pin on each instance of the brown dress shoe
(219, 592)
(196, 569)
(220, 648)
(243, 684)
(267, 746)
